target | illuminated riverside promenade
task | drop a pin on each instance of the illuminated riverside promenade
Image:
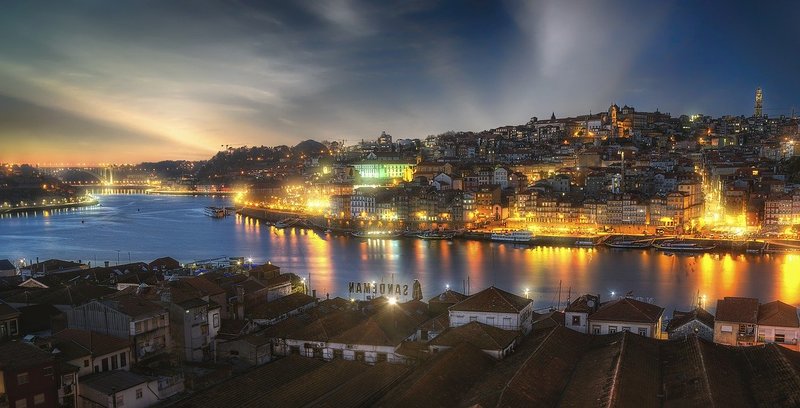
(145, 227)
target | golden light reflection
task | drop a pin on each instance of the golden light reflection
(790, 279)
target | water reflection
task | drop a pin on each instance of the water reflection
(153, 226)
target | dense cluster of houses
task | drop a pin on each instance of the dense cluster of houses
(141, 334)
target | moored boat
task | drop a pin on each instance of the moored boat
(521, 236)
(630, 243)
(377, 234)
(684, 246)
(585, 242)
(215, 212)
(435, 235)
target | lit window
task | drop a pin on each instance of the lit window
(38, 399)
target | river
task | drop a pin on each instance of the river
(145, 227)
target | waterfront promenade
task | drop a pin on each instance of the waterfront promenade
(82, 202)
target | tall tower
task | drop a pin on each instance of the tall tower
(759, 99)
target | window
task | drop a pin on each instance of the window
(21, 403)
(22, 378)
(780, 338)
(86, 363)
(643, 332)
(48, 371)
(506, 322)
(123, 359)
(576, 320)
(473, 318)
(138, 393)
(726, 329)
(38, 399)
(626, 329)
(490, 320)
(120, 400)
(595, 329)
(12, 327)
(612, 329)
(114, 365)
(105, 364)
(216, 320)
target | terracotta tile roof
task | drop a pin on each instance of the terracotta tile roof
(134, 306)
(96, 343)
(254, 385)
(737, 309)
(584, 304)
(778, 314)
(438, 323)
(681, 318)
(628, 310)
(492, 299)
(19, 355)
(445, 379)
(205, 285)
(279, 307)
(7, 312)
(448, 296)
(480, 335)
(109, 382)
(549, 319)
(387, 327)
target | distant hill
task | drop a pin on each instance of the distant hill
(309, 147)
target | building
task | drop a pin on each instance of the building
(494, 307)
(29, 376)
(493, 341)
(92, 352)
(576, 315)
(736, 321)
(697, 322)
(144, 323)
(627, 314)
(7, 268)
(778, 323)
(9, 321)
(124, 389)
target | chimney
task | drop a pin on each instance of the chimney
(106, 263)
(314, 293)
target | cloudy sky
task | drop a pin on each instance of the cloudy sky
(126, 81)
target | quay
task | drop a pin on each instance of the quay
(720, 245)
(45, 207)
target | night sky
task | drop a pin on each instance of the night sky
(126, 81)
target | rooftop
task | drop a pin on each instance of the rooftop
(737, 309)
(628, 310)
(492, 299)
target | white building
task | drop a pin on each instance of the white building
(494, 307)
(576, 315)
(627, 314)
(124, 389)
(778, 323)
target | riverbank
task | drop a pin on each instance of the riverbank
(577, 241)
(47, 207)
(191, 193)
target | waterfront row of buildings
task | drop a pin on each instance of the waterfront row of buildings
(140, 334)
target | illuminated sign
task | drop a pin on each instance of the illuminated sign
(378, 288)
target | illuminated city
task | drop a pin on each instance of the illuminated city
(410, 204)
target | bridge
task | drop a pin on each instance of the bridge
(97, 175)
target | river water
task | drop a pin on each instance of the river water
(145, 227)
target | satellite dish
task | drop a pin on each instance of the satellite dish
(590, 303)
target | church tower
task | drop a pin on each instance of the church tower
(757, 111)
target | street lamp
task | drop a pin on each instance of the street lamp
(527, 293)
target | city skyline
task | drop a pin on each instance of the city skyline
(132, 82)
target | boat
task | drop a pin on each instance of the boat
(215, 212)
(377, 234)
(630, 243)
(329, 231)
(585, 242)
(435, 235)
(521, 236)
(287, 222)
(684, 246)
